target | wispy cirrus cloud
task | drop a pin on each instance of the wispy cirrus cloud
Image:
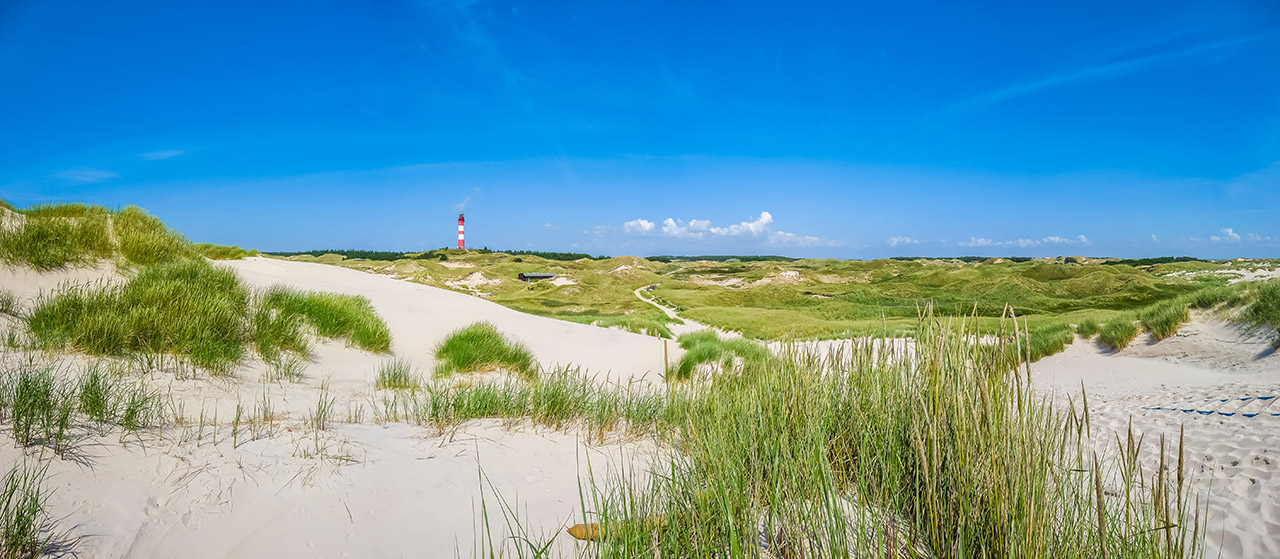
(82, 175)
(163, 154)
(1101, 70)
(901, 241)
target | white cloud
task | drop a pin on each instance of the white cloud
(1024, 243)
(703, 229)
(754, 228)
(977, 242)
(895, 241)
(463, 204)
(638, 226)
(550, 227)
(1154, 239)
(679, 229)
(1254, 237)
(792, 239)
(1228, 235)
(85, 176)
(163, 154)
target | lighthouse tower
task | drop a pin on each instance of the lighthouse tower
(461, 244)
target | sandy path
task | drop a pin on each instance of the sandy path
(1212, 380)
(685, 325)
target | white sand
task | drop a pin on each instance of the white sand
(1207, 378)
(360, 488)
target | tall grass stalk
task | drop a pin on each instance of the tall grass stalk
(939, 449)
(25, 526)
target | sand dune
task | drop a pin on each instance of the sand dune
(1213, 379)
(358, 489)
(420, 316)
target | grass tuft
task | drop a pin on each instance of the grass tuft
(1088, 328)
(481, 347)
(396, 374)
(706, 347)
(145, 240)
(1165, 319)
(1265, 311)
(188, 308)
(333, 315)
(50, 243)
(24, 523)
(222, 252)
(1117, 333)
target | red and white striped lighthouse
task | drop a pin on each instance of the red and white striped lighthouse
(461, 244)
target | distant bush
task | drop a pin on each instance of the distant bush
(561, 256)
(1117, 333)
(721, 258)
(480, 347)
(1151, 261)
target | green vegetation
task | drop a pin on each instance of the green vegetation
(222, 252)
(8, 303)
(56, 236)
(707, 347)
(396, 374)
(333, 316)
(481, 347)
(188, 308)
(560, 256)
(1151, 261)
(48, 243)
(1049, 339)
(1163, 320)
(1265, 311)
(44, 409)
(862, 455)
(24, 525)
(723, 258)
(377, 255)
(1117, 332)
(145, 240)
(193, 309)
(1088, 328)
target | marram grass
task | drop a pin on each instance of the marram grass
(1165, 319)
(707, 347)
(222, 252)
(1117, 333)
(192, 309)
(933, 449)
(481, 347)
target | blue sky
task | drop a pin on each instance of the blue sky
(810, 129)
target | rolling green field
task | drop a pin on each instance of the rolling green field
(778, 299)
